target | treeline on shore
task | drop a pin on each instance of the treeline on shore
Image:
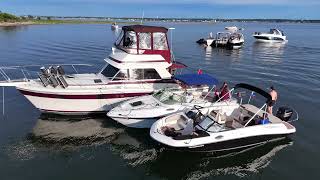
(6, 17)
(10, 18)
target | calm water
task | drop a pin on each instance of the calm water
(103, 149)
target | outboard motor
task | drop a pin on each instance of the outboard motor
(284, 113)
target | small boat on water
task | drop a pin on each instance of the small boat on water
(142, 112)
(233, 127)
(139, 64)
(232, 38)
(274, 35)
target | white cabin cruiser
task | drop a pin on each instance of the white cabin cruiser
(139, 64)
(142, 112)
(114, 26)
(227, 128)
(232, 38)
(274, 35)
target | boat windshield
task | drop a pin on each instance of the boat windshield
(169, 97)
(206, 122)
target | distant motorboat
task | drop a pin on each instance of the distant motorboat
(114, 26)
(231, 38)
(274, 35)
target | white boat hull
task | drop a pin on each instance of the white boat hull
(96, 100)
(136, 123)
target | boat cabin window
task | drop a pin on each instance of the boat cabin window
(122, 75)
(110, 71)
(129, 40)
(140, 74)
(160, 41)
(119, 39)
(144, 40)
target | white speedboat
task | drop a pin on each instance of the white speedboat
(114, 26)
(231, 38)
(274, 35)
(142, 112)
(139, 64)
(226, 128)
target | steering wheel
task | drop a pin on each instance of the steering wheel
(197, 107)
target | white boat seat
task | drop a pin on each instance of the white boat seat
(219, 117)
(183, 126)
(62, 81)
(53, 81)
(43, 80)
(234, 124)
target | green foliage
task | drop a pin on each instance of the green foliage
(6, 17)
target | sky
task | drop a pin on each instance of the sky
(283, 9)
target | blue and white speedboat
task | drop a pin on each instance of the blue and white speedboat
(232, 127)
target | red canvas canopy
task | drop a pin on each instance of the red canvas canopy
(143, 28)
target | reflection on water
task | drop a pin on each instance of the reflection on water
(12, 29)
(75, 130)
(269, 51)
(137, 149)
(213, 53)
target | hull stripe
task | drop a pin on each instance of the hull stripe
(82, 96)
(115, 60)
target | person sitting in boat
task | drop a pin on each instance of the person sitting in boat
(274, 96)
(224, 93)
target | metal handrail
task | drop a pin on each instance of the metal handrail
(26, 73)
(255, 115)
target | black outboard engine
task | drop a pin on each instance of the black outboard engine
(284, 113)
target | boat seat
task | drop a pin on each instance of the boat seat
(53, 81)
(43, 80)
(62, 81)
(219, 117)
(234, 124)
(183, 126)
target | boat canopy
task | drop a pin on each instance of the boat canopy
(143, 28)
(196, 79)
(255, 89)
(148, 40)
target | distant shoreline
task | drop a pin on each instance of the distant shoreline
(134, 21)
(48, 22)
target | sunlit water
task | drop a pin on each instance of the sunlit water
(34, 146)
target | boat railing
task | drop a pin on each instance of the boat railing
(25, 73)
(264, 106)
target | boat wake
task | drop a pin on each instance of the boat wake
(242, 169)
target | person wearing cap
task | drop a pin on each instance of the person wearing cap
(274, 96)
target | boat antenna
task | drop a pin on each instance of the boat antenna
(171, 46)
(3, 101)
(142, 17)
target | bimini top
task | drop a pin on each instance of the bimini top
(255, 89)
(142, 28)
(196, 79)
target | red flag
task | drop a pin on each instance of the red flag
(199, 71)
